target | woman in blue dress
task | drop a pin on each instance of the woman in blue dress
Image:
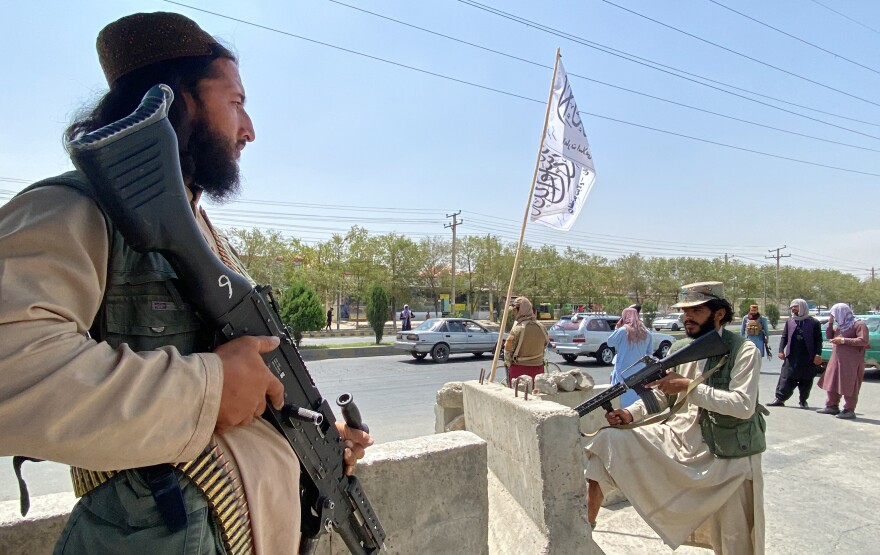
(630, 341)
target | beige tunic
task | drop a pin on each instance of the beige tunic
(66, 398)
(674, 482)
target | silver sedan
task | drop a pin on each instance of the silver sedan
(441, 337)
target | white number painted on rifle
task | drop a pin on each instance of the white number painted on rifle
(224, 282)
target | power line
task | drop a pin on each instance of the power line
(603, 83)
(230, 216)
(759, 22)
(670, 70)
(857, 22)
(746, 56)
(462, 81)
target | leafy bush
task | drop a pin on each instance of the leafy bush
(772, 314)
(301, 309)
(377, 311)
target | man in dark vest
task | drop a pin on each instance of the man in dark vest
(106, 367)
(694, 474)
(801, 348)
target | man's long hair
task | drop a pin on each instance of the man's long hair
(124, 96)
(716, 304)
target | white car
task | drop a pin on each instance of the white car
(441, 337)
(674, 322)
(585, 334)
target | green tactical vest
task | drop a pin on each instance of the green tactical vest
(726, 436)
(141, 307)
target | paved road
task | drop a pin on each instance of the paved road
(822, 478)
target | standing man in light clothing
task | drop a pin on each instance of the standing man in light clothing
(691, 476)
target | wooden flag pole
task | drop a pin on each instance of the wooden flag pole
(522, 232)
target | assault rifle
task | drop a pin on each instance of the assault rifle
(705, 346)
(134, 166)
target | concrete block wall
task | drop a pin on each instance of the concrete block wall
(426, 492)
(535, 454)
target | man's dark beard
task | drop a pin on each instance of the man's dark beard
(705, 327)
(212, 163)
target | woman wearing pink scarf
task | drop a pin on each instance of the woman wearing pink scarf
(846, 368)
(630, 341)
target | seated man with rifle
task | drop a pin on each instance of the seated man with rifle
(693, 472)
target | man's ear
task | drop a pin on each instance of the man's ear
(189, 100)
(719, 315)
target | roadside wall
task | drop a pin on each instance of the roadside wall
(425, 491)
(536, 459)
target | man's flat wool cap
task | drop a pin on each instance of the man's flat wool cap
(142, 39)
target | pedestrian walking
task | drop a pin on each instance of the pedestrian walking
(846, 368)
(406, 318)
(755, 328)
(329, 319)
(800, 348)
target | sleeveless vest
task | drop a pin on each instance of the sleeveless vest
(143, 308)
(729, 437)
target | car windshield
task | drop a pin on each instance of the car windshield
(428, 325)
(561, 323)
(673, 316)
(873, 324)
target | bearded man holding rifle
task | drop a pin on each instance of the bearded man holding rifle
(107, 365)
(694, 474)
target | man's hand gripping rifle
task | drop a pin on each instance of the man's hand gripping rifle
(135, 169)
(705, 346)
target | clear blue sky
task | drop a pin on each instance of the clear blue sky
(343, 139)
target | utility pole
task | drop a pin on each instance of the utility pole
(872, 274)
(455, 223)
(777, 256)
(726, 257)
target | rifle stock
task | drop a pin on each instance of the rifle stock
(705, 346)
(134, 166)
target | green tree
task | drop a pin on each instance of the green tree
(265, 255)
(744, 306)
(377, 311)
(398, 264)
(649, 312)
(301, 310)
(772, 314)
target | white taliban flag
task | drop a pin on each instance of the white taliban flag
(565, 169)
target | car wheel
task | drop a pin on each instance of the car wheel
(440, 352)
(419, 356)
(605, 355)
(664, 349)
(569, 358)
(674, 327)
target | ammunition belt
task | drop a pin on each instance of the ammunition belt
(210, 472)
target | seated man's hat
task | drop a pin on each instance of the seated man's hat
(694, 294)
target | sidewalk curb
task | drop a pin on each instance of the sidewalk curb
(353, 352)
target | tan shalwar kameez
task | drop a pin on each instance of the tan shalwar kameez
(672, 480)
(66, 398)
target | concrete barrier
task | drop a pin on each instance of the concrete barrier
(431, 494)
(537, 489)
